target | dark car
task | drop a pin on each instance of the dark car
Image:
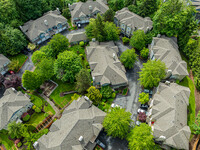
(144, 106)
(100, 144)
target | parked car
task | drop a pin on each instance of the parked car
(150, 92)
(144, 106)
(100, 144)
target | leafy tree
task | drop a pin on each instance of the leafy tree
(141, 137)
(8, 12)
(109, 15)
(128, 58)
(117, 122)
(147, 8)
(12, 81)
(106, 92)
(125, 40)
(66, 13)
(14, 129)
(38, 56)
(112, 32)
(59, 43)
(196, 125)
(67, 65)
(151, 73)
(94, 95)
(175, 18)
(116, 4)
(30, 80)
(45, 69)
(90, 29)
(144, 53)
(83, 81)
(47, 52)
(138, 40)
(143, 98)
(12, 41)
(128, 2)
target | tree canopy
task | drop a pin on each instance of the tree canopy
(116, 4)
(30, 80)
(94, 95)
(38, 56)
(151, 73)
(128, 58)
(15, 129)
(109, 15)
(117, 122)
(83, 81)
(143, 98)
(138, 39)
(141, 137)
(67, 65)
(196, 125)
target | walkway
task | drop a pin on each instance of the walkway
(130, 102)
(57, 114)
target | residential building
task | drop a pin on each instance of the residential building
(4, 62)
(76, 38)
(78, 128)
(167, 116)
(12, 105)
(128, 22)
(166, 49)
(106, 68)
(41, 29)
(81, 12)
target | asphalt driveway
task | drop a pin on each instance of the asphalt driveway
(130, 102)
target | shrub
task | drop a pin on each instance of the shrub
(89, 70)
(81, 43)
(197, 82)
(26, 118)
(113, 95)
(37, 110)
(0, 140)
(31, 46)
(125, 40)
(144, 53)
(19, 144)
(142, 117)
(106, 92)
(46, 115)
(34, 107)
(143, 98)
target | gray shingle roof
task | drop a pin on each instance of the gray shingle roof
(81, 118)
(133, 20)
(3, 60)
(166, 50)
(82, 8)
(34, 28)
(105, 68)
(11, 102)
(169, 111)
(76, 37)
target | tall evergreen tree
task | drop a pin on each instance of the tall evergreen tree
(100, 31)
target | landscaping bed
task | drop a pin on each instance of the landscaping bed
(36, 119)
(20, 58)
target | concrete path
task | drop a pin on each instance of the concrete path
(130, 102)
(57, 114)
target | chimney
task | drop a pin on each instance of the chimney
(114, 57)
(90, 8)
(167, 82)
(57, 9)
(46, 22)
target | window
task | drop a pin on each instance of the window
(42, 35)
(59, 26)
(54, 27)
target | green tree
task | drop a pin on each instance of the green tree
(14, 129)
(138, 40)
(45, 69)
(106, 92)
(37, 57)
(94, 95)
(66, 13)
(83, 81)
(151, 73)
(196, 125)
(116, 4)
(100, 29)
(30, 80)
(109, 15)
(117, 122)
(128, 58)
(12, 41)
(112, 32)
(147, 8)
(59, 43)
(90, 29)
(144, 53)
(141, 137)
(125, 40)
(143, 98)
(128, 3)
(67, 65)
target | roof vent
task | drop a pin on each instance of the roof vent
(159, 35)
(161, 138)
(14, 90)
(86, 98)
(80, 138)
(167, 82)
(57, 9)
(114, 56)
(93, 39)
(46, 22)
(90, 8)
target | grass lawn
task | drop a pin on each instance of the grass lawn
(188, 83)
(62, 87)
(20, 57)
(36, 118)
(6, 142)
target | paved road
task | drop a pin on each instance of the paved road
(130, 102)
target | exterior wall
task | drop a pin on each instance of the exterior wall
(4, 69)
